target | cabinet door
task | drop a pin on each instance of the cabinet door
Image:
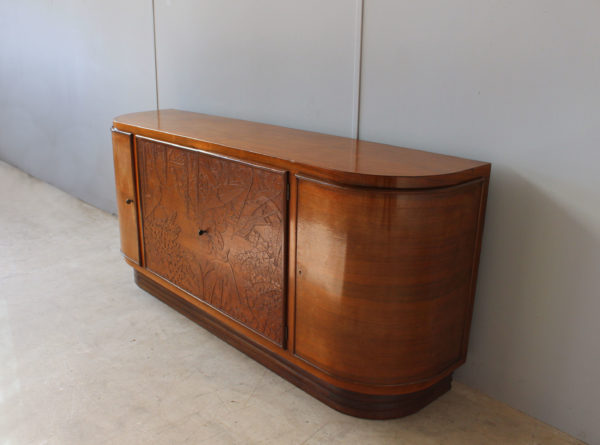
(215, 228)
(384, 281)
(125, 186)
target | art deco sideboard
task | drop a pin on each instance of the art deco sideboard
(347, 267)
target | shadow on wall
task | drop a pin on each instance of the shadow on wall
(537, 302)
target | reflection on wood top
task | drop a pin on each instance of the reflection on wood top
(349, 160)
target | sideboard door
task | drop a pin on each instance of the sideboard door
(125, 186)
(384, 280)
(215, 227)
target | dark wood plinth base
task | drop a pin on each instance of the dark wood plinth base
(367, 406)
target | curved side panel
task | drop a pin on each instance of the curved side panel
(383, 280)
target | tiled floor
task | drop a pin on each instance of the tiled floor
(88, 358)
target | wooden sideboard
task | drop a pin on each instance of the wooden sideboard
(345, 266)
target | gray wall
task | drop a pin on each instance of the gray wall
(511, 82)
(288, 63)
(516, 83)
(67, 68)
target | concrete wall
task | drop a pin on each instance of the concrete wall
(511, 82)
(516, 83)
(68, 67)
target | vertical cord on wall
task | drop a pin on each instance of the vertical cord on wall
(358, 37)
(155, 61)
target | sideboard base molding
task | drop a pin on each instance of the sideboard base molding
(367, 406)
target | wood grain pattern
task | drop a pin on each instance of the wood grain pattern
(369, 406)
(126, 194)
(215, 228)
(334, 158)
(372, 268)
(383, 279)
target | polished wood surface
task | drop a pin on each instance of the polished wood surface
(347, 267)
(215, 228)
(369, 406)
(389, 270)
(339, 159)
(126, 194)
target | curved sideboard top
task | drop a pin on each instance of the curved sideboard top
(345, 160)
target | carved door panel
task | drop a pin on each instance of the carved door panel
(215, 228)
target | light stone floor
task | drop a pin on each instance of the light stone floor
(88, 358)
